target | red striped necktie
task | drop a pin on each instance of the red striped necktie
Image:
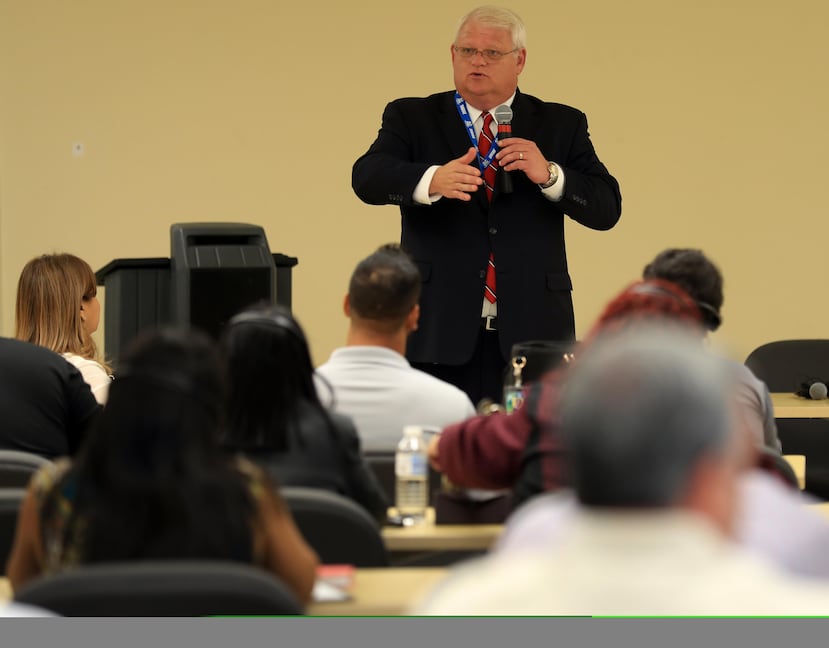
(484, 144)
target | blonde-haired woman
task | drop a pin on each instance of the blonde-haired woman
(57, 308)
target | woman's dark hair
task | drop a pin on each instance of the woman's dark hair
(270, 380)
(152, 480)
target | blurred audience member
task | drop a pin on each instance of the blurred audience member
(692, 271)
(523, 450)
(773, 520)
(153, 482)
(655, 443)
(276, 419)
(57, 308)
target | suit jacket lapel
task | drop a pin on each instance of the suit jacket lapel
(525, 119)
(452, 125)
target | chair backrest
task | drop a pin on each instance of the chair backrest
(338, 529)
(10, 501)
(17, 467)
(785, 364)
(161, 589)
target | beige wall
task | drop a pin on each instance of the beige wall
(711, 115)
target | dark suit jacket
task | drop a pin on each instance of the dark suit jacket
(46, 407)
(451, 240)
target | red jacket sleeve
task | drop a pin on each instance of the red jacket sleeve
(484, 451)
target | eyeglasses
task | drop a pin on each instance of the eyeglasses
(488, 54)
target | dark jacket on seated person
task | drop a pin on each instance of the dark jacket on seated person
(324, 454)
(45, 405)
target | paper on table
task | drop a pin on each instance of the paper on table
(325, 592)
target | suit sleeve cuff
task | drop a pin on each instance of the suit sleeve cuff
(421, 193)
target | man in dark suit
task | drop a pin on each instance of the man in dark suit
(459, 222)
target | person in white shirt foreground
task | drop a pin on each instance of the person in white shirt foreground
(655, 444)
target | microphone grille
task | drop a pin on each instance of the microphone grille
(503, 114)
(817, 391)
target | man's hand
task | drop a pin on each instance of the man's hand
(518, 154)
(456, 179)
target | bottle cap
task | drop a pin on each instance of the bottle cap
(412, 430)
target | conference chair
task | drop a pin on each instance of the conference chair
(17, 467)
(784, 365)
(10, 502)
(164, 588)
(382, 465)
(337, 528)
(16, 470)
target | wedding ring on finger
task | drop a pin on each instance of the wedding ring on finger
(520, 155)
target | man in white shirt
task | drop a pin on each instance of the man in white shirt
(655, 443)
(370, 379)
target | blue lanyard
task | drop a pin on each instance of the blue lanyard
(463, 111)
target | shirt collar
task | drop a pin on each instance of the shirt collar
(361, 353)
(475, 114)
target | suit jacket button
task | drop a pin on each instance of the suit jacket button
(493, 230)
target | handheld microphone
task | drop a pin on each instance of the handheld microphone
(813, 389)
(817, 391)
(503, 115)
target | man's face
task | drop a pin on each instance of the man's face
(91, 314)
(485, 83)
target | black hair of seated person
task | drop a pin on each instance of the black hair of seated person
(152, 481)
(270, 378)
(696, 274)
(384, 288)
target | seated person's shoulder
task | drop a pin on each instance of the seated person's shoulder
(446, 389)
(342, 422)
(746, 376)
(18, 351)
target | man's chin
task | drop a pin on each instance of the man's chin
(477, 81)
(478, 89)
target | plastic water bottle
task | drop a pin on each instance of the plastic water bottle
(411, 469)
